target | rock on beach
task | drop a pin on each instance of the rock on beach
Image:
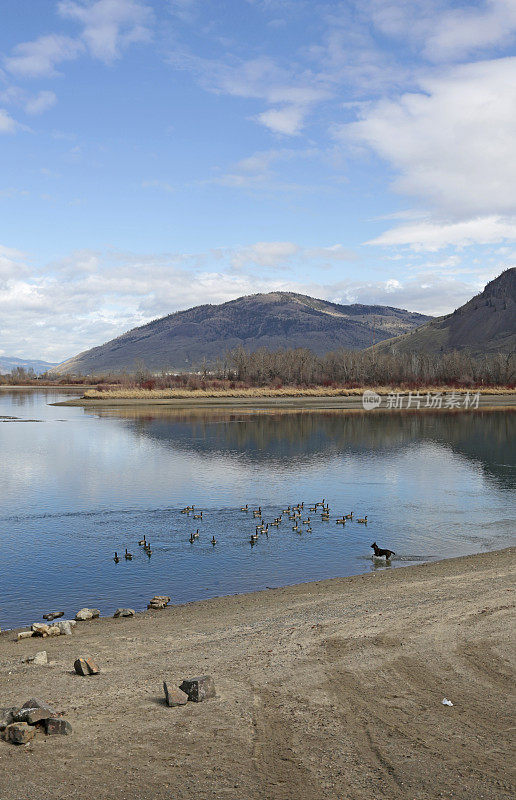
(124, 612)
(87, 613)
(86, 666)
(65, 626)
(6, 717)
(57, 727)
(34, 702)
(40, 629)
(159, 601)
(173, 695)
(38, 658)
(199, 689)
(19, 733)
(32, 715)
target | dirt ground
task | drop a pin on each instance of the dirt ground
(324, 690)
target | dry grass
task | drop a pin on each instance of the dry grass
(264, 391)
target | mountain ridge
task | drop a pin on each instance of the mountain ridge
(8, 363)
(182, 340)
(485, 324)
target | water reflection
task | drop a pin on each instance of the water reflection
(485, 437)
(83, 483)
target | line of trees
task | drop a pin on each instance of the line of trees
(301, 367)
(20, 376)
(365, 367)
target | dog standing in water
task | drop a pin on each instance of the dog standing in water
(380, 553)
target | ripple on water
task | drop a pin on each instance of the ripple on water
(432, 485)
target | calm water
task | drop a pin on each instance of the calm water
(75, 486)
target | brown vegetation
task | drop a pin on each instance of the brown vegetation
(298, 372)
(257, 392)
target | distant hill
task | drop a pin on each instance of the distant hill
(485, 324)
(8, 363)
(182, 340)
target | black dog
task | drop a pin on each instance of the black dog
(379, 552)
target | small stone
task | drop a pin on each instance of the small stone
(38, 659)
(86, 666)
(53, 615)
(41, 658)
(159, 601)
(57, 727)
(124, 612)
(19, 733)
(6, 717)
(198, 689)
(31, 715)
(39, 629)
(24, 635)
(84, 614)
(174, 696)
(65, 626)
(34, 702)
(54, 630)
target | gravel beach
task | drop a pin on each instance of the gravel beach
(327, 690)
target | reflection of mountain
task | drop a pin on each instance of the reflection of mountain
(485, 437)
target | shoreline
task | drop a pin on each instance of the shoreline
(325, 583)
(314, 402)
(326, 689)
(64, 387)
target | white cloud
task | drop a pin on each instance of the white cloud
(257, 170)
(453, 143)
(429, 293)
(41, 102)
(288, 120)
(461, 31)
(447, 33)
(264, 254)
(109, 26)
(90, 297)
(40, 57)
(435, 236)
(333, 252)
(7, 123)
(11, 264)
(31, 104)
(291, 92)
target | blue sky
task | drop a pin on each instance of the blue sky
(159, 154)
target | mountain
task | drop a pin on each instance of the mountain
(8, 363)
(485, 324)
(182, 340)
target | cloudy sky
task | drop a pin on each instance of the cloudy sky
(159, 154)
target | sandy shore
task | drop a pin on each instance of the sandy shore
(328, 690)
(349, 403)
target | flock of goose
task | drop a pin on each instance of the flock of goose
(296, 514)
(143, 543)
